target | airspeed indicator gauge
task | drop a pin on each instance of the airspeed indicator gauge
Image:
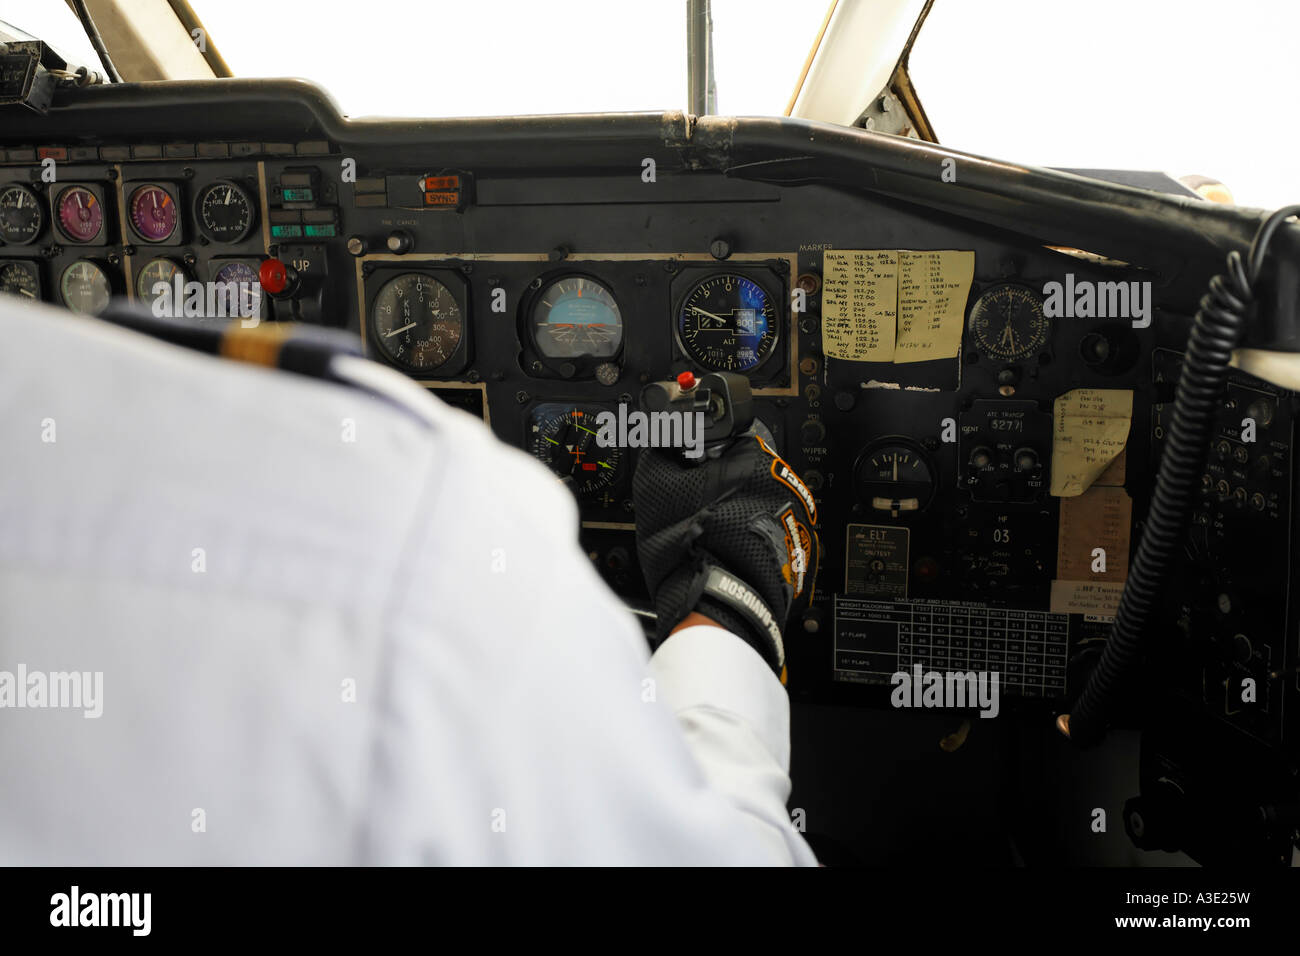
(1007, 323)
(416, 322)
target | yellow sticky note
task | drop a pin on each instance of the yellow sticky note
(859, 304)
(932, 290)
(1090, 428)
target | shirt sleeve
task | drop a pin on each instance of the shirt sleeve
(520, 699)
(736, 718)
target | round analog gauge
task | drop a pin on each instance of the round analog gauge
(728, 323)
(158, 271)
(152, 210)
(225, 211)
(894, 476)
(417, 321)
(238, 282)
(80, 214)
(84, 287)
(1007, 323)
(21, 216)
(19, 278)
(577, 317)
(564, 439)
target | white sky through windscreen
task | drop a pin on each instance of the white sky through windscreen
(1195, 87)
(1200, 86)
(512, 57)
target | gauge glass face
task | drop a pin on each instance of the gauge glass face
(893, 476)
(417, 322)
(564, 439)
(84, 287)
(728, 323)
(153, 213)
(1007, 323)
(21, 216)
(225, 211)
(159, 271)
(81, 216)
(577, 317)
(238, 283)
(18, 278)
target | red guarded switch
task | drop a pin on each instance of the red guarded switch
(277, 278)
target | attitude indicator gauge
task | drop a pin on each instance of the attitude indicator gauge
(576, 317)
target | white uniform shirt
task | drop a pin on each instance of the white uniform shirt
(330, 633)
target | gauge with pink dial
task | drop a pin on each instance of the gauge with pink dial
(80, 214)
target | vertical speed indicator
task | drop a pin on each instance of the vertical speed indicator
(727, 323)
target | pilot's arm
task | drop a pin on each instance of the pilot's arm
(324, 628)
(584, 750)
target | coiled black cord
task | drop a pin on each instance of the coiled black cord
(1216, 330)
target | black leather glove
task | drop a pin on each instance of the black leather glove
(732, 538)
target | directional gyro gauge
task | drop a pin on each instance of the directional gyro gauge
(1007, 323)
(564, 439)
(21, 215)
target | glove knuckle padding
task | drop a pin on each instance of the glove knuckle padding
(745, 513)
